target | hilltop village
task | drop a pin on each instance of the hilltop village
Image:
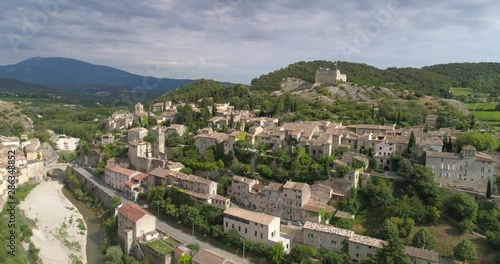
(257, 206)
(286, 191)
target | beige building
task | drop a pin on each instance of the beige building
(327, 77)
(375, 129)
(198, 188)
(136, 134)
(134, 225)
(360, 247)
(116, 176)
(207, 138)
(469, 169)
(180, 129)
(240, 189)
(255, 227)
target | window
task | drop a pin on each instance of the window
(309, 235)
(482, 169)
(261, 235)
(232, 225)
(239, 228)
(369, 255)
(245, 230)
(334, 242)
(255, 233)
(226, 224)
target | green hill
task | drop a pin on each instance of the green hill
(432, 80)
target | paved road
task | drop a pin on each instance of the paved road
(187, 238)
(160, 225)
(99, 183)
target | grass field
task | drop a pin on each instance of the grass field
(461, 91)
(481, 106)
(487, 115)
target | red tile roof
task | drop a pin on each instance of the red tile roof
(132, 212)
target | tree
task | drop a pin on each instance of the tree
(424, 239)
(114, 255)
(480, 141)
(462, 206)
(488, 189)
(378, 193)
(185, 259)
(265, 171)
(342, 170)
(392, 253)
(497, 258)
(389, 229)
(472, 121)
(115, 201)
(173, 140)
(277, 253)
(465, 251)
(300, 253)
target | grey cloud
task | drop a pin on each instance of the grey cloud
(237, 40)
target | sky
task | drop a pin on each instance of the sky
(238, 40)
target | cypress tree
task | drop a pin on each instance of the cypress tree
(488, 190)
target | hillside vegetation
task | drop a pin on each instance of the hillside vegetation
(431, 80)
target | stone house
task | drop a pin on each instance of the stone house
(469, 169)
(136, 133)
(207, 138)
(117, 176)
(134, 225)
(180, 129)
(360, 247)
(255, 227)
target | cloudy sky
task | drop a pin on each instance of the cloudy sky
(237, 40)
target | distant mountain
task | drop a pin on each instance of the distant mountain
(10, 88)
(435, 80)
(80, 77)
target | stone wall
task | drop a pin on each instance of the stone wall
(94, 191)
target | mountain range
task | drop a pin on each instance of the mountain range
(82, 78)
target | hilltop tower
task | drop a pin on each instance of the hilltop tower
(327, 77)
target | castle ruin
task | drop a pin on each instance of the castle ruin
(327, 77)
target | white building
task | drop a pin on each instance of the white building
(255, 227)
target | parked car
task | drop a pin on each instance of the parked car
(284, 222)
(297, 223)
(145, 206)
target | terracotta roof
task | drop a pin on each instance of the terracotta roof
(315, 206)
(258, 187)
(159, 172)
(443, 155)
(328, 229)
(242, 179)
(422, 253)
(130, 183)
(132, 212)
(468, 147)
(140, 177)
(294, 185)
(259, 218)
(127, 172)
(219, 197)
(322, 186)
(274, 187)
(484, 157)
(369, 241)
